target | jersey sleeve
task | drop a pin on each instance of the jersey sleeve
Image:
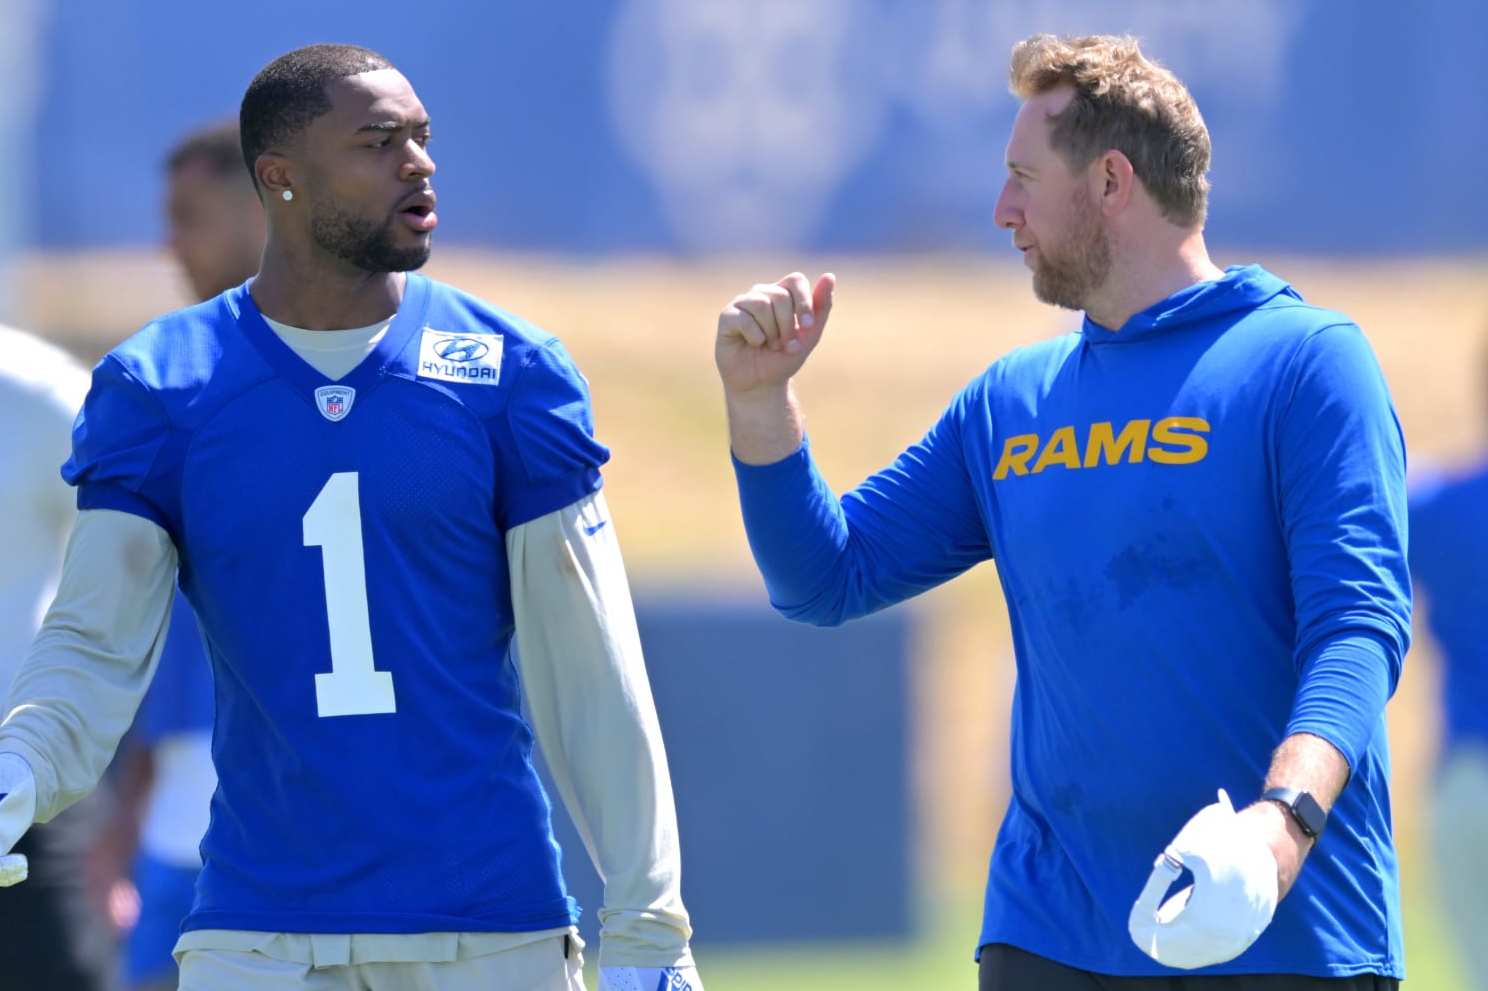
(115, 442)
(903, 530)
(545, 443)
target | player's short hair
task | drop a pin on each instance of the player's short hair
(1126, 102)
(215, 146)
(290, 92)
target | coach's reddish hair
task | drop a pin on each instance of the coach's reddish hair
(1123, 101)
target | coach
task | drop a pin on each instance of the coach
(1196, 504)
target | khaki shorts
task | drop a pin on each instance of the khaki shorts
(539, 966)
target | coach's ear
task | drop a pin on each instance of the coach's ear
(1114, 179)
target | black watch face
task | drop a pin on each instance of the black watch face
(1310, 814)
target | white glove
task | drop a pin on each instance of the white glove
(1228, 906)
(649, 979)
(17, 812)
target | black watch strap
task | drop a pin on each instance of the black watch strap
(1303, 807)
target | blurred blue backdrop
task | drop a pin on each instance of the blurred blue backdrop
(789, 749)
(684, 127)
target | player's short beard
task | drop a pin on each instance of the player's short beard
(1068, 276)
(363, 242)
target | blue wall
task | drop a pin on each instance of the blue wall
(789, 751)
(686, 126)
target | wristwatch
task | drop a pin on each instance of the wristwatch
(1303, 807)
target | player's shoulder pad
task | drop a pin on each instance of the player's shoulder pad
(536, 407)
(141, 390)
(550, 416)
(175, 355)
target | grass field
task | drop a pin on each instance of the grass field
(905, 335)
(942, 959)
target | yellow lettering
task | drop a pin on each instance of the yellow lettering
(1105, 444)
(1180, 432)
(1062, 449)
(1015, 454)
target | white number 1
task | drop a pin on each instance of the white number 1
(333, 523)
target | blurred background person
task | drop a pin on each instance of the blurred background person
(1449, 561)
(164, 772)
(53, 936)
(215, 224)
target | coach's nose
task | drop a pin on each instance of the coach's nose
(1008, 213)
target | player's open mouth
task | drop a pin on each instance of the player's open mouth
(417, 211)
(420, 218)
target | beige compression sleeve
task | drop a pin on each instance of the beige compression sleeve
(590, 703)
(76, 693)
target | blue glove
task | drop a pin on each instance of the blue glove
(649, 979)
(17, 812)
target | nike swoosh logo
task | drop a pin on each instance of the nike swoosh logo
(592, 530)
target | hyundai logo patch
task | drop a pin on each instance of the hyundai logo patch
(460, 349)
(469, 358)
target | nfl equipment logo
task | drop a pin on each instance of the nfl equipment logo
(334, 401)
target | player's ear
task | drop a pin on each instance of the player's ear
(273, 172)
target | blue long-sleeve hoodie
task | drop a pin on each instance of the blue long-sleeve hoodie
(1199, 525)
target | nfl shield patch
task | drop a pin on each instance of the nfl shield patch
(335, 401)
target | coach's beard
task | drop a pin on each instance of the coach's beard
(1067, 278)
(363, 243)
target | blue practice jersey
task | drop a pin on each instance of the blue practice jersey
(180, 696)
(1183, 515)
(343, 546)
(1449, 555)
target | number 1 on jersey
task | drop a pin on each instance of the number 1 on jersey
(354, 687)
